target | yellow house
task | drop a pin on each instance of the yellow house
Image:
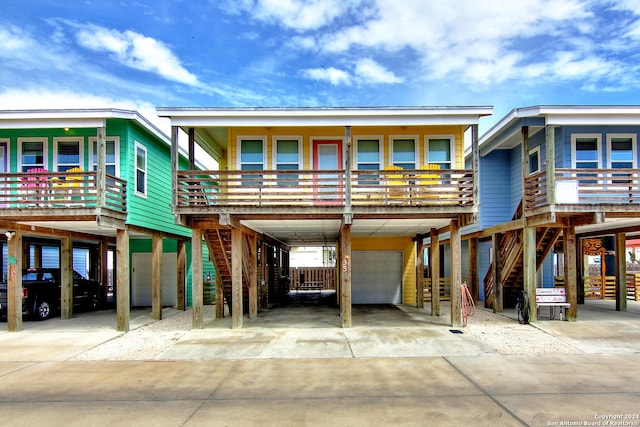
(372, 180)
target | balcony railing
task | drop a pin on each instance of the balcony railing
(202, 189)
(585, 186)
(60, 190)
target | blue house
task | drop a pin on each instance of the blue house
(559, 186)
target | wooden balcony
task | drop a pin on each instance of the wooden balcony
(584, 190)
(71, 196)
(325, 191)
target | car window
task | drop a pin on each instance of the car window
(30, 276)
(77, 276)
(47, 275)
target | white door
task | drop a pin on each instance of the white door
(376, 277)
(141, 278)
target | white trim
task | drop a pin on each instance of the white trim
(274, 148)
(416, 139)
(575, 136)
(452, 148)
(379, 138)
(79, 140)
(45, 148)
(239, 140)
(633, 138)
(116, 140)
(532, 151)
(135, 169)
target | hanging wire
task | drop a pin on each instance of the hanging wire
(468, 307)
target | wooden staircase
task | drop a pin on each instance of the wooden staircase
(219, 244)
(510, 249)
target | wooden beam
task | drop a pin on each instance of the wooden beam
(123, 289)
(569, 242)
(156, 277)
(473, 269)
(419, 271)
(475, 159)
(434, 269)
(103, 268)
(455, 248)
(35, 230)
(197, 278)
(101, 169)
(621, 272)
(175, 158)
(236, 278)
(498, 300)
(524, 157)
(181, 275)
(14, 282)
(345, 275)
(253, 276)
(529, 268)
(550, 140)
(192, 149)
(66, 278)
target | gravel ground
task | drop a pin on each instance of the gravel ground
(506, 336)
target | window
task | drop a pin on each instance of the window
(534, 160)
(403, 153)
(621, 150)
(440, 151)
(68, 153)
(112, 158)
(252, 159)
(287, 158)
(368, 158)
(141, 170)
(32, 153)
(586, 155)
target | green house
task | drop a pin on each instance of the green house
(94, 186)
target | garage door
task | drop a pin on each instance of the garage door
(141, 286)
(376, 277)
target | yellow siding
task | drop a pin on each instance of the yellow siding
(404, 244)
(308, 134)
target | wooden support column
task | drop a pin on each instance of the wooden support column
(156, 277)
(101, 169)
(498, 300)
(621, 272)
(14, 282)
(123, 289)
(236, 278)
(455, 247)
(253, 276)
(419, 271)
(192, 148)
(529, 268)
(475, 159)
(66, 278)
(103, 267)
(175, 158)
(37, 256)
(197, 295)
(473, 269)
(434, 269)
(571, 271)
(181, 275)
(345, 274)
(551, 164)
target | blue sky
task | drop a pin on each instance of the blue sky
(141, 54)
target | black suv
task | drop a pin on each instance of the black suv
(41, 292)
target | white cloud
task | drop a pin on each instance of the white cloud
(136, 51)
(370, 71)
(331, 75)
(299, 15)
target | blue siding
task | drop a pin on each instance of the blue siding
(495, 183)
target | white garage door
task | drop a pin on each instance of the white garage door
(141, 286)
(376, 277)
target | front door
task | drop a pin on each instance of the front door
(327, 155)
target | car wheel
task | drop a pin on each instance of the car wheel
(43, 310)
